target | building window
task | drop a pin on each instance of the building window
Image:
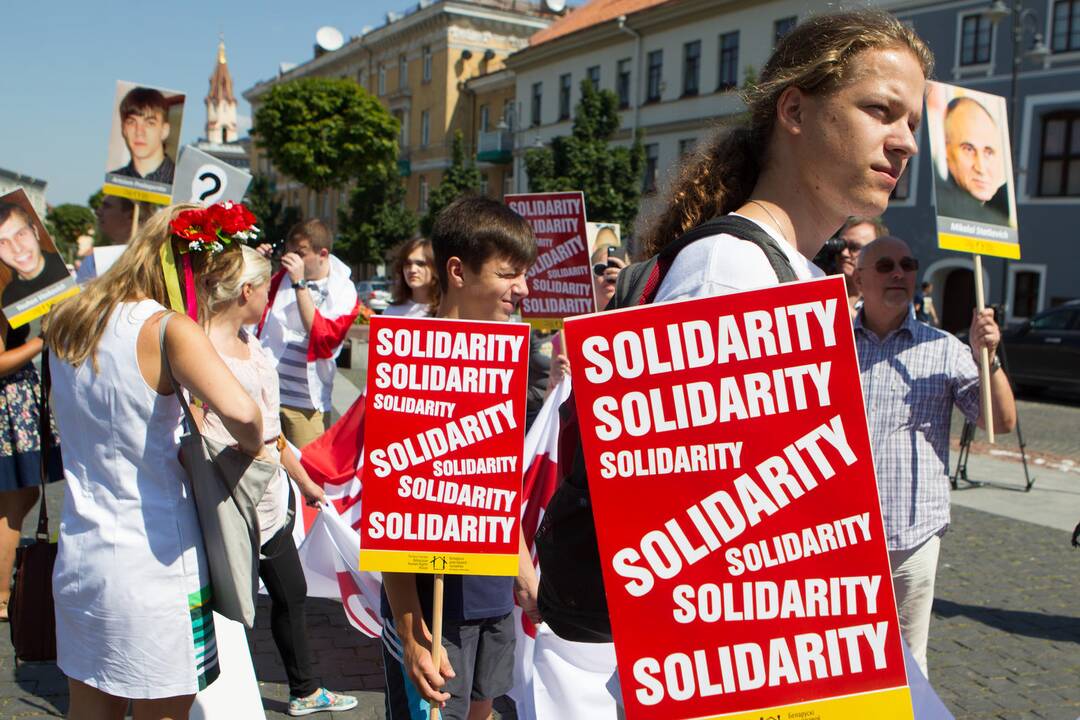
(312, 207)
(622, 83)
(656, 71)
(564, 96)
(1065, 35)
(382, 79)
(537, 98)
(782, 27)
(1026, 293)
(593, 74)
(728, 75)
(403, 134)
(691, 70)
(425, 128)
(686, 145)
(902, 189)
(976, 37)
(508, 114)
(421, 204)
(484, 119)
(426, 55)
(652, 164)
(1059, 162)
(484, 185)
(402, 71)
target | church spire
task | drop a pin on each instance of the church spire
(220, 101)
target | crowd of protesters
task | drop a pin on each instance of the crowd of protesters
(258, 365)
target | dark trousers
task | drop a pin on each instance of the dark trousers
(284, 579)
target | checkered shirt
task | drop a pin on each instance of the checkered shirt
(910, 380)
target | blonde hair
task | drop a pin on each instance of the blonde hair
(222, 288)
(76, 325)
(818, 57)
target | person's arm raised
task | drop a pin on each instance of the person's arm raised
(198, 367)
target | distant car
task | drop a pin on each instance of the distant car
(374, 293)
(1044, 352)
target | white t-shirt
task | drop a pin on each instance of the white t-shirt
(408, 309)
(722, 264)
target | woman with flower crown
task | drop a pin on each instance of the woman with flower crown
(131, 582)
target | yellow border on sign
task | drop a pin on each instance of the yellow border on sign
(544, 323)
(894, 704)
(135, 194)
(435, 563)
(977, 246)
(38, 310)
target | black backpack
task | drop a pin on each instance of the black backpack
(571, 595)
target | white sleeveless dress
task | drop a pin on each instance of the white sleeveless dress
(131, 583)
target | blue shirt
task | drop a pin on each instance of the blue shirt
(911, 379)
(465, 597)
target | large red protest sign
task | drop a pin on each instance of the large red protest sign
(443, 441)
(736, 508)
(560, 281)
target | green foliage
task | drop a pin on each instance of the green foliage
(274, 218)
(461, 178)
(325, 131)
(66, 223)
(95, 200)
(610, 176)
(750, 77)
(376, 218)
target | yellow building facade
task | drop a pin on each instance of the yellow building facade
(437, 69)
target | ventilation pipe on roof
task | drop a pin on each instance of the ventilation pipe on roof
(635, 81)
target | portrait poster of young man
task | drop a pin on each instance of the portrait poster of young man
(144, 143)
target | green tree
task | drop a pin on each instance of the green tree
(274, 218)
(325, 132)
(376, 218)
(461, 178)
(95, 200)
(610, 176)
(66, 223)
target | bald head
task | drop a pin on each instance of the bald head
(973, 149)
(885, 276)
(883, 245)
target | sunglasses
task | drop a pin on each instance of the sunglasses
(887, 265)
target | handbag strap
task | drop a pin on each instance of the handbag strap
(189, 420)
(48, 447)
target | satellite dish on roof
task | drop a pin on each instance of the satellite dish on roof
(329, 38)
(555, 6)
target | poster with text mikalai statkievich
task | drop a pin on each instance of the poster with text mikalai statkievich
(560, 281)
(443, 438)
(736, 508)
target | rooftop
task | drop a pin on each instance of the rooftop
(592, 13)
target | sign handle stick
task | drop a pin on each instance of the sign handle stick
(984, 357)
(436, 631)
(134, 220)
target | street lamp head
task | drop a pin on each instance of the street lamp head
(997, 11)
(1038, 52)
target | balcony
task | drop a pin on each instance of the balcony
(495, 146)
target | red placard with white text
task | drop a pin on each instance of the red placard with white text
(443, 441)
(736, 508)
(560, 281)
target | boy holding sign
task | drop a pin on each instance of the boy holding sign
(482, 250)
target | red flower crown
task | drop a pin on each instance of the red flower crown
(210, 229)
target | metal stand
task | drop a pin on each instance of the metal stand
(968, 434)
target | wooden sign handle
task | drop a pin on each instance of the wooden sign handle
(436, 632)
(984, 358)
(134, 221)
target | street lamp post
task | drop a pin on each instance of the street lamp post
(1021, 17)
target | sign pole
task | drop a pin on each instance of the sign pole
(984, 357)
(436, 631)
(134, 220)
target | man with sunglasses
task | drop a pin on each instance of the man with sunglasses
(912, 375)
(857, 233)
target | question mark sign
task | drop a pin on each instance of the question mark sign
(208, 185)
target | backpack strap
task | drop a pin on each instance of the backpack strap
(642, 288)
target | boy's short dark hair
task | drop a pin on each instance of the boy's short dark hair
(143, 101)
(476, 229)
(315, 231)
(9, 209)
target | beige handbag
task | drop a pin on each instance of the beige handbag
(227, 485)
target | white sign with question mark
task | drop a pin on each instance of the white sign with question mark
(203, 178)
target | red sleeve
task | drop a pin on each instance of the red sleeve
(275, 283)
(327, 335)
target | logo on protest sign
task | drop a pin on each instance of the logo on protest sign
(443, 442)
(202, 178)
(736, 508)
(974, 192)
(560, 281)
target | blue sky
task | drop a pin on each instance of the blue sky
(63, 59)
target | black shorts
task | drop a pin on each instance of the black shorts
(481, 653)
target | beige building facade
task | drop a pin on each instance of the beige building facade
(423, 66)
